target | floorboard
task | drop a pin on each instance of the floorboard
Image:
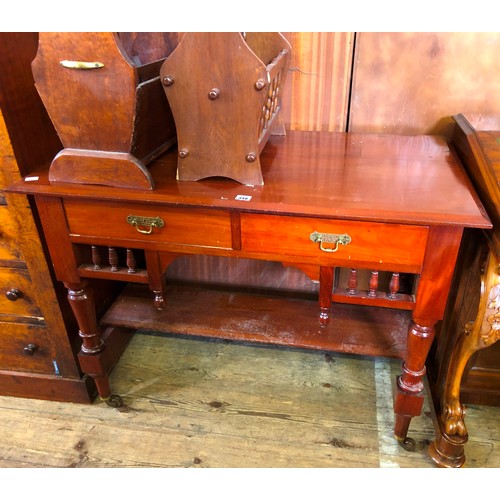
(204, 403)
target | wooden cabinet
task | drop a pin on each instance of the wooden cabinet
(465, 366)
(477, 142)
(37, 335)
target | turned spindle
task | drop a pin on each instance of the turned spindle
(113, 259)
(373, 285)
(352, 283)
(96, 258)
(393, 286)
(131, 263)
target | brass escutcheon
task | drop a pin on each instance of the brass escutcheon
(140, 222)
(335, 239)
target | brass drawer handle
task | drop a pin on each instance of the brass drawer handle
(334, 239)
(148, 223)
(82, 64)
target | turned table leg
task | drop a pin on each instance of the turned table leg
(448, 448)
(81, 300)
(410, 388)
(432, 293)
(325, 294)
(157, 264)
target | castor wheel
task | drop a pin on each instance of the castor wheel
(114, 401)
(409, 444)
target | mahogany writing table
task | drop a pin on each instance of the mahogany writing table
(385, 204)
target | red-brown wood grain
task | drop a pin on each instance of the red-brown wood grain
(387, 191)
(368, 177)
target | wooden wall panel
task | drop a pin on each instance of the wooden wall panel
(317, 90)
(412, 83)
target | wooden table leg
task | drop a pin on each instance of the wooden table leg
(410, 388)
(437, 271)
(81, 299)
(156, 265)
(448, 448)
(325, 294)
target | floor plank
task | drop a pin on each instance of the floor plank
(203, 403)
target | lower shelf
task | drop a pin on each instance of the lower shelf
(268, 319)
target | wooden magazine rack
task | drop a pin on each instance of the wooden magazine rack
(225, 93)
(104, 96)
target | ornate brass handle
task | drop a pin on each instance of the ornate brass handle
(82, 64)
(140, 222)
(335, 239)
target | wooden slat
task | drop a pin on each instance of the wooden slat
(88, 271)
(200, 403)
(402, 301)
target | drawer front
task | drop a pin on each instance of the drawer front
(180, 226)
(17, 297)
(9, 248)
(25, 348)
(382, 245)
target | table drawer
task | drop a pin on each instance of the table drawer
(377, 244)
(25, 347)
(17, 297)
(177, 226)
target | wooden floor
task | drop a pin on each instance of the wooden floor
(194, 402)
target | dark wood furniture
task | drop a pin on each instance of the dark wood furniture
(220, 82)
(90, 82)
(38, 335)
(329, 201)
(465, 370)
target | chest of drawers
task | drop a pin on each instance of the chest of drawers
(38, 334)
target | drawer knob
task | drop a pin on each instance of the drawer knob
(30, 349)
(13, 294)
(145, 225)
(332, 239)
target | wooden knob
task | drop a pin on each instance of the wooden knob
(168, 80)
(260, 84)
(30, 349)
(251, 157)
(183, 152)
(214, 94)
(13, 294)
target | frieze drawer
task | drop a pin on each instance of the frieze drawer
(335, 241)
(153, 224)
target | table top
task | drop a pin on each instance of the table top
(370, 177)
